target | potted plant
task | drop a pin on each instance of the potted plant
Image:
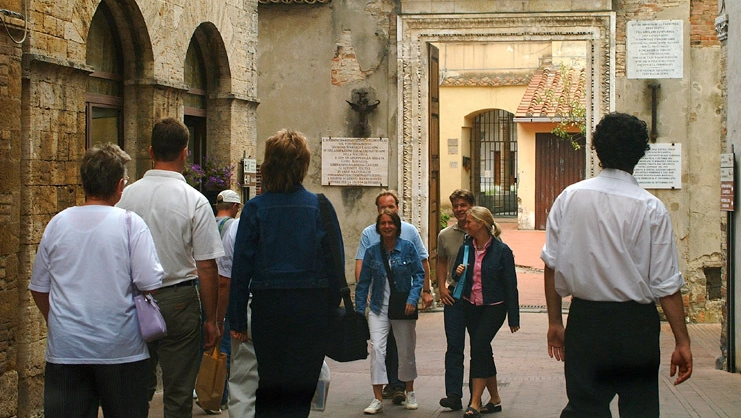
(211, 177)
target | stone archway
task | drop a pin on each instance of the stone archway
(416, 31)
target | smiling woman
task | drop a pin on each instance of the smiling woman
(393, 276)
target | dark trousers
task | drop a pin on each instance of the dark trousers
(455, 336)
(289, 330)
(392, 363)
(76, 390)
(612, 348)
(483, 323)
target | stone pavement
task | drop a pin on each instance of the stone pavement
(531, 384)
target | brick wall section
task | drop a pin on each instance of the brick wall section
(702, 21)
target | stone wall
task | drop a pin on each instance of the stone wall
(688, 113)
(43, 85)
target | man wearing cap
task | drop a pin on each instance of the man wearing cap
(227, 206)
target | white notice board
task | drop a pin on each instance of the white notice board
(654, 49)
(661, 167)
(355, 161)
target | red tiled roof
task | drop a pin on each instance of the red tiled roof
(549, 93)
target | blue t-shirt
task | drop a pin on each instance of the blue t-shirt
(370, 237)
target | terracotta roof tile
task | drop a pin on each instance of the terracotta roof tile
(548, 95)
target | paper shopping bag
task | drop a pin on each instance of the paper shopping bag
(211, 379)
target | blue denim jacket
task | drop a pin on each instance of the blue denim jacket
(280, 244)
(498, 277)
(406, 267)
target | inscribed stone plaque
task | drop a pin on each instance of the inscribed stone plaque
(654, 49)
(661, 167)
(355, 161)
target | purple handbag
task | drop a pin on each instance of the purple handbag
(151, 323)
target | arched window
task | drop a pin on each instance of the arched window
(104, 98)
(194, 102)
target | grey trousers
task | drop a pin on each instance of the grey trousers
(243, 379)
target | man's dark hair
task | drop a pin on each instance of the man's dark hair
(394, 217)
(169, 138)
(620, 140)
(102, 167)
(464, 194)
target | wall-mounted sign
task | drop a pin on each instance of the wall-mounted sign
(661, 167)
(727, 186)
(355, 161)
(654, 49)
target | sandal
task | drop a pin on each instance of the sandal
(490, 408)
(471, 413)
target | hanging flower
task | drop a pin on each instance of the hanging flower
(212, 175)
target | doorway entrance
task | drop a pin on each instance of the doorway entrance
(494, 173)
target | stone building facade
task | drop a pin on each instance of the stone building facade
(75, 73)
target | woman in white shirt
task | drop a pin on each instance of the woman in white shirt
(88, 261)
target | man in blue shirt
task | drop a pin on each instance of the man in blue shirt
(387, 199)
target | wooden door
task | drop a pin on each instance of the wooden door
(434, 152)
(557, 165)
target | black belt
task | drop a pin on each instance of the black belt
(191, 282)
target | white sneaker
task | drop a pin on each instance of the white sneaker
(375, 407)
(411, 402)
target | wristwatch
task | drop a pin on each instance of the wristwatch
(427, 291)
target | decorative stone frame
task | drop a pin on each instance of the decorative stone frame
(416, 31)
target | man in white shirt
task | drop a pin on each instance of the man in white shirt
(187, 240)
(610, 245)
(387, 199)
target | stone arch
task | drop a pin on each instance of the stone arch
(218, 72)
(416, 31)
(220, 98)
(133, 33)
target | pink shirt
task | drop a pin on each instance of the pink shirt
(477, 295)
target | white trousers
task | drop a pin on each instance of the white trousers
(243, 377)
(405, 332)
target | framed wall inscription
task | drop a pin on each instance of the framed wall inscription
(661, 167)
(355, 161)
(654, 49)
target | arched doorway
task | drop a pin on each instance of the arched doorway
(104, 98)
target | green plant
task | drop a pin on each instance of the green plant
(570, 111)
(213, 174)
(444, 218)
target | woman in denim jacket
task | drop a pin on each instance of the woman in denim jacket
(490, 293)
(282, 256)
(408, 276)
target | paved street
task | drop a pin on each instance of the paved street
(531, 384)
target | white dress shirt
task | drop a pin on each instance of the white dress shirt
(608, 239)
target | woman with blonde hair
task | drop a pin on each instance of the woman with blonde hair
(282, 257)
(486, 271)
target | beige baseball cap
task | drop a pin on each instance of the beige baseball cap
(228, 196)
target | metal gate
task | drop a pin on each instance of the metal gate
(494, 160)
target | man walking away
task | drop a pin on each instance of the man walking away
(610, 245)
(187, 241)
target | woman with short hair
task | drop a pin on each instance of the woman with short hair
(89, 261)
(282, 256)
(390, 266)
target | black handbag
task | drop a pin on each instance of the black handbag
(348, 338)
(397, 300)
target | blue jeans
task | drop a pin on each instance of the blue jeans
(226, 347)
(455, 335)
